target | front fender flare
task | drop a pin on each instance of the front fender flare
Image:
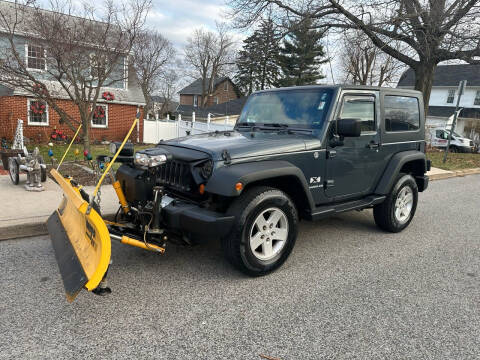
(224, 179)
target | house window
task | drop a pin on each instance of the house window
(37, 112)
(125, 73)
(97, 66)
(215, 100)
(36, 57)
(195, 100)
(477, 98)
(225, 86)
(100, 116)
(451, 96)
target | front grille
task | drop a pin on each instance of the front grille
(175, 174)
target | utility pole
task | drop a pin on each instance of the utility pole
(461, 89)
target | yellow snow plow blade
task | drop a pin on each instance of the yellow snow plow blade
(79, 235)
(81, 241)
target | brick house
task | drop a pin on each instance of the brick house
(111, 121)
(224, 90)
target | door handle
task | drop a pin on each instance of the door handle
(373, 145)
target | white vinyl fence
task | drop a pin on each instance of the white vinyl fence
(156, 130)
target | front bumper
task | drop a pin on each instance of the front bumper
(192, 219)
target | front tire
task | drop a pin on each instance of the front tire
(398, 209)
(264, 232)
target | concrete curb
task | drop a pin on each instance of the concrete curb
(29, 229)
(455, 173)
(24, 230)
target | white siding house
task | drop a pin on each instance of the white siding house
(444, 97)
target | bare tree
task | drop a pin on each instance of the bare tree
(209, 54)
(169, 86)
(433, 30)
(80, 51)
(151, 53)
(363, 63)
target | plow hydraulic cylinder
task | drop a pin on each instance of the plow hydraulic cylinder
(121, 196)
(133, 242)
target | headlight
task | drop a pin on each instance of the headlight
(157, 160)
(207, 169)
(150, 161)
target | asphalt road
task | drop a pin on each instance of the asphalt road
(349, 291)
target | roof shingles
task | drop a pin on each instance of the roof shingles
(446, 75)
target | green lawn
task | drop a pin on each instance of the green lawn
(59, 149)
(455, 161)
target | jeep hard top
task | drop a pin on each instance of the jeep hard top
(295, 153)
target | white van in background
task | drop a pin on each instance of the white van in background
(438, 137)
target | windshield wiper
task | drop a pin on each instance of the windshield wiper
(275, 125)
(244, 124)
(291, 130)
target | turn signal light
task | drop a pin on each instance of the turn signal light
(201, 189)
(239, 186)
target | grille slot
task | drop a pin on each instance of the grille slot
(174, 173)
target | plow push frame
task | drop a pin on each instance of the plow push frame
(81, 238)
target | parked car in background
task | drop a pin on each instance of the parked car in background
(439, 138)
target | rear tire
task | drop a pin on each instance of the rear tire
(398, 209)
(264, 232)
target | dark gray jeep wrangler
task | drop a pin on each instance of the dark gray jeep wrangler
(295, 153)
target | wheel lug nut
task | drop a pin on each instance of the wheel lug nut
(271, 226)
(262, 237)
(264, 227)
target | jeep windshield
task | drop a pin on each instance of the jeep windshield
(301, 109)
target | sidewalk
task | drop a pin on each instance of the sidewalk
(438, 174)
(25, 213)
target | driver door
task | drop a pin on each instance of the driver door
(353, 167)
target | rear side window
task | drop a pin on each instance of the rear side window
(402, 113)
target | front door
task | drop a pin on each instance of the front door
(353, 168)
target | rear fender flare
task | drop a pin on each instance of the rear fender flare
(224, 179)
(395, 165)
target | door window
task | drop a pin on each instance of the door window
(440, 134)
(360, 107)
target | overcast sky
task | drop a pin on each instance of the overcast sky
(176, 19)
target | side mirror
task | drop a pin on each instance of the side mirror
(349, 127)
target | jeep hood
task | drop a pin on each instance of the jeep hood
(246, 144)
